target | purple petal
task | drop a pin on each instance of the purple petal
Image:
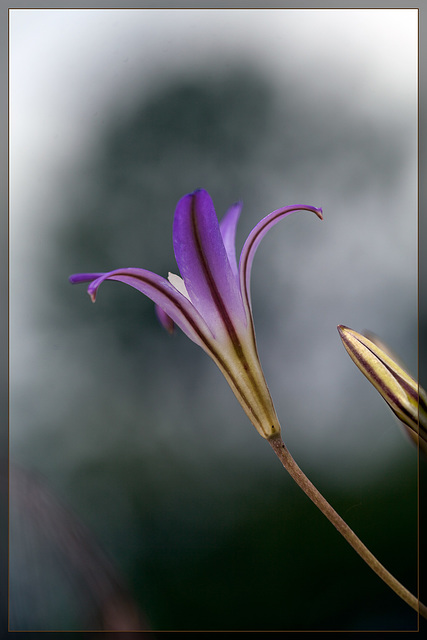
(228, 227)
(204, 265)
(255, 237)
(77, 278)
(162, 293)
(165, 320)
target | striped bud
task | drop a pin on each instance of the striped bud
(401, 392)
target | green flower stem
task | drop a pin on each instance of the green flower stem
(310, 490)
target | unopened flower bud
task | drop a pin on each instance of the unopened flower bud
(401, 392)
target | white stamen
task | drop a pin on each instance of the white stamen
(178, 283)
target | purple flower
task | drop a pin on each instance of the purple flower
(211, 301)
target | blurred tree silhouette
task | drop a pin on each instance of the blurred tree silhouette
(226, 134)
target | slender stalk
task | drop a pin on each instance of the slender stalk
(310, 490)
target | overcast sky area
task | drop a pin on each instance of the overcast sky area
(340, 109)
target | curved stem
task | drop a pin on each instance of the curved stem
(310, 490)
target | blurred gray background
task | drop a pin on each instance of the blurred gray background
(115, 114)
